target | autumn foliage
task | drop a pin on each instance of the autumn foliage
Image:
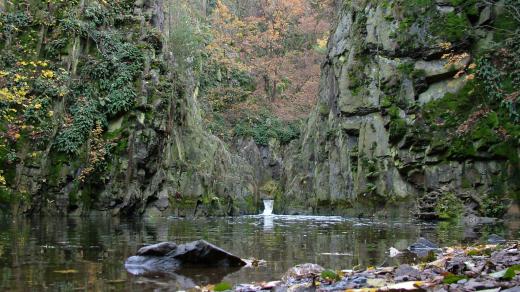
(279, 43)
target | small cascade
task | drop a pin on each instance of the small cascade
(268, 207)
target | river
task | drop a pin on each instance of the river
(70, 254)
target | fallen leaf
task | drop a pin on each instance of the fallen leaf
(376, 282)
(406, 286)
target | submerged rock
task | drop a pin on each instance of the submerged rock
(422, 247)
(495, 239)
(168, 257)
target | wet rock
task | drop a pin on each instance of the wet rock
(304, 271)
(167, 257)
(359, 280)
(406, 273)
(495, 239)
(485, 16)
(204, 253)
(478, 284)
(423, 244)
(158, 249)
(456, 266)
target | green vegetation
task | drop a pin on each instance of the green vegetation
(329, 275)
(511, 272)
(264, 127)
(451, 278)
(272, 189)
(455, 27)
(223, 286)
(109, 88)
(449, 206)
(398, 126)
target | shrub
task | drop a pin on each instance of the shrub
(449, 206)
(266, 127)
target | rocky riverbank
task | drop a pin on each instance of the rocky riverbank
(488, 267)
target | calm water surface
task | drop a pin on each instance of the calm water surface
(71, 254)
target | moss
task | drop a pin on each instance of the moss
(58, 161)
(323, 109)
(251, 204)
(453, 27)
(121, 147)
(387, 101)
(452, 279)
(468, 6)
(6, 196)
(506, 149)
(397, 130)
(453, 107)
(459, 149)
(224, 286)
(408, 69)
(74, 198)
(466, 183)
(329, 275)
(504, 25)
(398, 126)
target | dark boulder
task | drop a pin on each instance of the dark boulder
(203, 253)
(158, 249)
(168, 257)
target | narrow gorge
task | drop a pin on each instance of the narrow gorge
(416, 116)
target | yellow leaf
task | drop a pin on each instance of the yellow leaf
(47, 74)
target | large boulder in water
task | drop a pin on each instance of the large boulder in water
(159, 249)
(167, 257)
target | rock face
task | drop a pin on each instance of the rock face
(161, 160)
(168, 257)
(377, 142)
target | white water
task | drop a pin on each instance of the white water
(268, 207)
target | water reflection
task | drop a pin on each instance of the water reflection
(89, 253)
(268, 222)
